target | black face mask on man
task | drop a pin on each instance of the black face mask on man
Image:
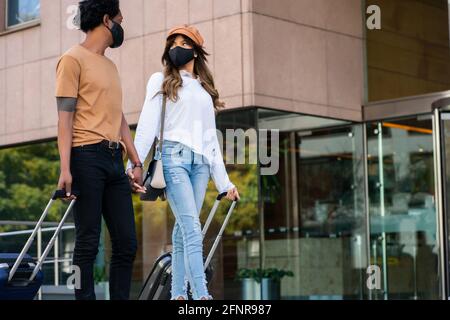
(181, 56)
(117, 35)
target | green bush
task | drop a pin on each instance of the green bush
(259, 274)
(99, 275)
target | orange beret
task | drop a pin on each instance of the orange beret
(188, 31)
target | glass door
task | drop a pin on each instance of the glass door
(442, 147)
(313, 208)
(404, 240)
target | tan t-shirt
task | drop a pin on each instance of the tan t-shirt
(94, 80)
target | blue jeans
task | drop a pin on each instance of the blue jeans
(187, 175)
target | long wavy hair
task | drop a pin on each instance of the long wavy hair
(172, 79)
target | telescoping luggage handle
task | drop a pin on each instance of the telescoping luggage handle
(59, 194)
(222, 229)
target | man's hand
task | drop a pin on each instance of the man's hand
(65, 183)
(136, 180)
(233, 195)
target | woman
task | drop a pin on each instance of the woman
(190, 152)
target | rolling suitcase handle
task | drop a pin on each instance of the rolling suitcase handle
(222, 229)
(59, 194)
(213, 213)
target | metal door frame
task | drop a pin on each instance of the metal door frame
(441, 107)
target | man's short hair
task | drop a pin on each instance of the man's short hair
(92, 12)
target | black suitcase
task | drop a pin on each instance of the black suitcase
(20, 275)
(159, 281)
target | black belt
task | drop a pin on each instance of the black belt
(111, 144)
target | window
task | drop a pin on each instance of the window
(420, 33)
(19, 12)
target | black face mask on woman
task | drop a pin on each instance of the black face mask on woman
(181, 56)
(117, 34)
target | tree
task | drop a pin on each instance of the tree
(28, 177)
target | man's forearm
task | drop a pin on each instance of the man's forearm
(128, 141)
(65, 143)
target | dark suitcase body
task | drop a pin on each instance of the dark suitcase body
(157, 285)
(21, 276)
(159, 281)
(19, 288)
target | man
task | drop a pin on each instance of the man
(93, 135)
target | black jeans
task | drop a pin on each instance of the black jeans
(99, 175)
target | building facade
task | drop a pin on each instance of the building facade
(360, 120)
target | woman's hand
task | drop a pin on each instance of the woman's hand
(136, 180)
(233, 195)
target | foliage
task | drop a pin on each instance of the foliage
(259, 274)
(28, 177)
(99, 274)
(270, 188)
(245, 216)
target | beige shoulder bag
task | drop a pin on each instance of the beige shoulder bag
(154, 178)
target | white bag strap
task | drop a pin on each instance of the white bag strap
(163, 120)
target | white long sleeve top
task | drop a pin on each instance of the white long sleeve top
(190, 120)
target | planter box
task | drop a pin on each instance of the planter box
(251, 290)
(266, 290)
(270, 290)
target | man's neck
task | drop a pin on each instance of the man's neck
(95, 43)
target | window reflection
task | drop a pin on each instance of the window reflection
(402, 208)
(22, 11)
